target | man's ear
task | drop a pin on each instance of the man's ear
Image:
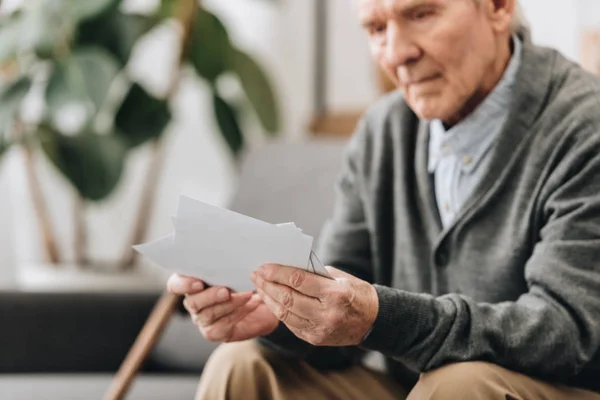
(500, 13)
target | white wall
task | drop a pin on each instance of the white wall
(6, 242)
(554, 23)
(281, 37)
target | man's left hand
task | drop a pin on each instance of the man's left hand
(321, 311)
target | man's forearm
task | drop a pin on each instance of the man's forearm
(531, 335)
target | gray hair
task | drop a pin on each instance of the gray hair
(519, 21)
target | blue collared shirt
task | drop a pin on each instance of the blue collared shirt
(458, 157)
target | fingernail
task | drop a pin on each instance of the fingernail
(253, 277)
(262, 270)
(197, 286)
(222, 294)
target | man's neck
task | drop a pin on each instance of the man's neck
(505, 50)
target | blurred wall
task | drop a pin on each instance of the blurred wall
(555, 23)
(280, 36)
(6, 242)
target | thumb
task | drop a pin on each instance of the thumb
(179, 284)
(239, 299)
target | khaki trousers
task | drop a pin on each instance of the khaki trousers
(246, 371)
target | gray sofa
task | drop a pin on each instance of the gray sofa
(68, 346)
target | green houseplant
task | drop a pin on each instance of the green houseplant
(73, 55)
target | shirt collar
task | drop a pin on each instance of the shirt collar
(473, 136)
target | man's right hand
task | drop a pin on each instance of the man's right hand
(223, 316)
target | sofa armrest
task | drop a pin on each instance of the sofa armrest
(69, 332)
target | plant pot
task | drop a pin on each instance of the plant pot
(107, 229)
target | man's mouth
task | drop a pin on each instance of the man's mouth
(418, 81)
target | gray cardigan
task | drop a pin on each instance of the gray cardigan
(515, 280)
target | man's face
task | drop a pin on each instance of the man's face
(438, 52)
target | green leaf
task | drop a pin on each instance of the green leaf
(228, 124)
(4, 145)
(11, 98)
(258, 89)
(141, 117)
(210, 48)
(45, 27)
(115, 32)
(82, 10)
(99, 70)
(92, 163)
(85, 77)
(10, 36)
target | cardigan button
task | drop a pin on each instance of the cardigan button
(442, 258)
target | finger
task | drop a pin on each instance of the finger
(283, 314)
(222, 330)
(217, 333)
(298, 279)
(189, 308)
(241, 312)
(179, 284)
(298, 303)
(206, 298)
(211, 314)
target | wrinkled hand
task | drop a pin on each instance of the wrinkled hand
(219, 314)
(321, 311)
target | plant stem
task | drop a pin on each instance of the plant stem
(80, 232)
(39, 205)
(186, 13)
(146, 203)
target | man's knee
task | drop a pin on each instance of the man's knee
(237, 358)
(235, 370)
(467, 380)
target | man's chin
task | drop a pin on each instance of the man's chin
(430, 110)
(428, 113)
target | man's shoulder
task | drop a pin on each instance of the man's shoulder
(576, 96)
(383, 131)
(567, 125)
(387, 117)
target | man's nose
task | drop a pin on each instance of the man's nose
(400, 47)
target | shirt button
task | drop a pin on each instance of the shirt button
(467, 160)
(446, 206)
(446, 148)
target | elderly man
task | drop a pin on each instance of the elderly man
(465, 237)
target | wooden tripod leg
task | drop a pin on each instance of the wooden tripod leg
(142, 346)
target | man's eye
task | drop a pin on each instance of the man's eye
(421, 15)
(377, 29)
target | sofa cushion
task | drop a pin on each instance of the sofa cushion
(69, 332)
